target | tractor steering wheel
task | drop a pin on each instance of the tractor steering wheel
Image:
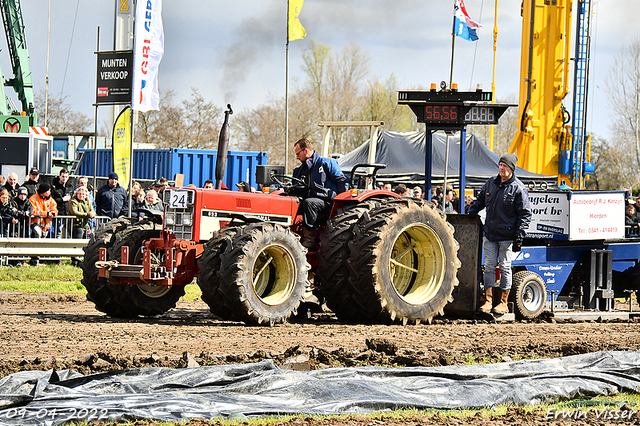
(288, 182)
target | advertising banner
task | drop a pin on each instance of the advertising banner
(550, 215)
(577, 215)
(122, 147)
(597, 215)
(148, 51)
(115, 74)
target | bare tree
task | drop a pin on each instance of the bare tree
(335, 82)
(262, 129)
(611, 171)
(380, 103)
(60, 117)
(149, 127)
(623, 89)
(504, 131)
(193, 124)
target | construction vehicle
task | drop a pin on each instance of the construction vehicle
(23, 145)
(544, 142)
(16, 120)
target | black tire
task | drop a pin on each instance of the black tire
(99, 291)
(528, 294)
(141, 299)
(403, 262)
(272, 256)
(332, 275)
(209, 267)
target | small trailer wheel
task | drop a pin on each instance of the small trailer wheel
(528, 294)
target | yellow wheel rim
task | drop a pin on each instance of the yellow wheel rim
(274, 275)
(417, 264)
(154, 291)
(150, 290)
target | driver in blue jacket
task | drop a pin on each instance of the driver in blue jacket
(323, 181)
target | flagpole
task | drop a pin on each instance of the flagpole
(131, 113)
(286, 100)
(493, 81)
(453, 43)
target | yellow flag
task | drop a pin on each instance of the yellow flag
(296, 30)
(122, 147)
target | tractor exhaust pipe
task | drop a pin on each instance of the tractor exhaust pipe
(223, 148)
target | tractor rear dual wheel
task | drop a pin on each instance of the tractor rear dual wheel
(332, 275)
(403, 263)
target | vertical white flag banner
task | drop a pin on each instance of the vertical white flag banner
(148, 51)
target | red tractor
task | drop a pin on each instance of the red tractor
(380, 258)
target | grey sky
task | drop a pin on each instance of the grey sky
(234, 51)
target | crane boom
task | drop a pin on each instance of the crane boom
(544, 82)
(544, 142)
(17, 45)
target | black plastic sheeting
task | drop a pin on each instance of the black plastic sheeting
(232, 391)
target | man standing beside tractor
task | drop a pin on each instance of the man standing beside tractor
(323, 181)
(508, 215)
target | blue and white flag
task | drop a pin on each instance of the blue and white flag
(463, 25)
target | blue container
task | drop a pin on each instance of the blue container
(197, 165)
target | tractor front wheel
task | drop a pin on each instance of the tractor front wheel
(99, 290)
(144, 299)
(263, 274)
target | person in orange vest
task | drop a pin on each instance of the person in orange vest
(43, 209)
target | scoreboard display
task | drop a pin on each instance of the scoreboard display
(453, 107)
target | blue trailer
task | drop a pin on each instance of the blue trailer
(196, 165)
(575, 260)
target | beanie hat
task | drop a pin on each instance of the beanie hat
(510, 160)
(23, 190)
(113, 175)
(43, 187)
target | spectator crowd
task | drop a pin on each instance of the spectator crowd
(446, 200)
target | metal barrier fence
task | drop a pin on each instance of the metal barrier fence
(52, 239)
(59, 227)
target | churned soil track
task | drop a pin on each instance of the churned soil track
(65, 331)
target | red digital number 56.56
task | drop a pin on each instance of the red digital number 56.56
(441, 112)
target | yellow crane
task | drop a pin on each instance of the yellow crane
(544, 142)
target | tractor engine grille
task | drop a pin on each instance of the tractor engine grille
(178, 216)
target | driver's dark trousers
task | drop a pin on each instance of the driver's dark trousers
(315, 212)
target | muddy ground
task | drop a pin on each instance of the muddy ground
(55, 331)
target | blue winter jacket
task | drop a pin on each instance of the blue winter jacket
(325, 178)
(508, 209)
(112, 202)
